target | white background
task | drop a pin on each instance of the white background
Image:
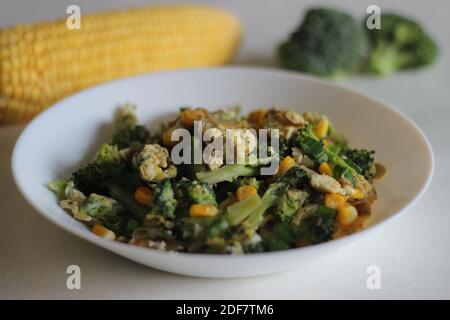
(413, 251)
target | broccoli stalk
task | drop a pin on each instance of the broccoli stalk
(228, 172)
(255, 216)
(238, 211)
(401, 43)
(231, 172)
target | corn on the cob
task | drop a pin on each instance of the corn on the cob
(44, 62)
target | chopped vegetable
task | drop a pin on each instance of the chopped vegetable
(133, 192)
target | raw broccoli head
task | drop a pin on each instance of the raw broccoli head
(401, 43)
(164, 202)
(328, 43)
(196, 192)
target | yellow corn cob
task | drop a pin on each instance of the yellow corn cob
(44, 62)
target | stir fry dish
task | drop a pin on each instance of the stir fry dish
(142, 190)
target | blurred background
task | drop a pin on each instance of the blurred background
(412, 252)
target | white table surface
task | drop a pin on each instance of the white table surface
(413, 252)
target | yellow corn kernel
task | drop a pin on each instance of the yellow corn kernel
(203, 210)
(43, 62)
(258, 116)
(334, 200)
(244, 192)
(357, 194)
(321, 128)
(347, 214)
(103, 232)
(325, 168)
(188, 116)
(286, 164)
(144, 195)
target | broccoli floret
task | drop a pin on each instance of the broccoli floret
(107, 154)
(318, 227)
(363, 160)
(294, 178)
(105, 210)
(248, 181)
(196, 192)
(328, 43)
(288, 204)
(127, 128)
(400, 43)
(108, 167)
(58, 186)
(164, 202)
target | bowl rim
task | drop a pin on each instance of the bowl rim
(112, 245)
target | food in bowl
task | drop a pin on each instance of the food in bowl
(249, 193)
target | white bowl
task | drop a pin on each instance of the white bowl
(59, 139)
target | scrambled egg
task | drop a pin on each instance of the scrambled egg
(153, 163)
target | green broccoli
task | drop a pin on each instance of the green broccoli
(318, 227)
(127, 200)
(164, 202)
(105, 210)
(311, 146)
(107, 154)
(196, 192)
(58, 186)
(127, 128)
(328, 43)
(229, 172)
(315, 149)
(108, 167)
(400, 43)
(288, 203)
(248, 181)
(363, 160)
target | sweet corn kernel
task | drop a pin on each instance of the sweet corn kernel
(203, 210)
(358, 194)
(347, 214)
(144, 195)
(244, 192)
(322, 126)
(334, 200)
(325, 168)
(286, 164)
(103, 232)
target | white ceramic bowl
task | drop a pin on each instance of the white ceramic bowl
(58, 140)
